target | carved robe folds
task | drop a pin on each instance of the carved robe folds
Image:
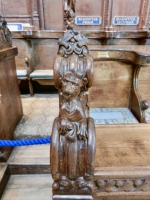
(73, 134)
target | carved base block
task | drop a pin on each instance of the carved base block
(72, 197)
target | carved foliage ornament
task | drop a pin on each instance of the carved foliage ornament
(5, 34)
(73, 133)
(127, 185)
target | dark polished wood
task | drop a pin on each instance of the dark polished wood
(10, 100)
(72, 154)
(42, 13)
(11, 107)
(4, 177)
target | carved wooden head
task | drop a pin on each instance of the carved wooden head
(71, 85)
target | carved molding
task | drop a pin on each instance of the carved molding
(89, 34)
(105, 13)
(7, 54)
(124, 55)
(122, 185)
(143, 14)
(148, 15)
(109, 26)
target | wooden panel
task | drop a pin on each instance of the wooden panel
(30, 160)
(31, 155)
(23, 52)
(90, 8)
(11, 108)
(18, 10)
(123, 197)
(31, 187)
(19, 7)
(53, 14)
(112, 84)
(126, 8)
(144, 83)
(44, 52)
(4, 177)
(122, 145)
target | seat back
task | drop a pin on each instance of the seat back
(112, 84)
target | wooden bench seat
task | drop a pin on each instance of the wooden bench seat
(122, 161)
(42, 74)
(21, 74)
(122, 166)
(43, 77)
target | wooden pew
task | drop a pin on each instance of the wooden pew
(122, 150)
(10, 100)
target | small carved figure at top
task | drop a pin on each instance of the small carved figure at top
(5, 34)
(69, 13)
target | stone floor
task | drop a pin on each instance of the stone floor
(39, 113)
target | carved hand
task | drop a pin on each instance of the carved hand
(82, 133)
(68, 129)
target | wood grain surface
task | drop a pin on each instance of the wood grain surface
(11, 107)
(31, 187)
(30, 160)
(4, 177)
(111, 84)
(44, 52)
(123, 145)
(23, 52)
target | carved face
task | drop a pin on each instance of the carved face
(70, 86)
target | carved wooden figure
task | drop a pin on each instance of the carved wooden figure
(73, 134)
(5, 34)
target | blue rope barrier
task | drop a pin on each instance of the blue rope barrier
(15, 143)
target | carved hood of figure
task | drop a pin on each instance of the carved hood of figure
(73, 55)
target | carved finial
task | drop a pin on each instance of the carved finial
(69, 13)
(5, 34)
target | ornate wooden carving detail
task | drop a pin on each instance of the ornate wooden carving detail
(109, 26)
(147, 21)
(143, 15)
(123, 185)
(73, 133)
(35, 15)
(104, 14)
(69, 13)
(5, 34)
